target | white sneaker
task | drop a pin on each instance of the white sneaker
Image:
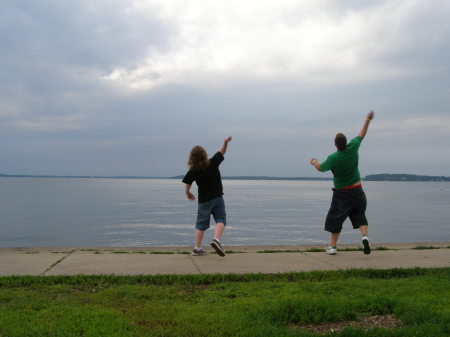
(331, 251)
(365, 242)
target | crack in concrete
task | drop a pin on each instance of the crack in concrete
(57, 262)
(195, 264)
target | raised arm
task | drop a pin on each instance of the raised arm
(365, 127)
(224, 147)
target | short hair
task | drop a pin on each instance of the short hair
(340, 141)
(198, 158)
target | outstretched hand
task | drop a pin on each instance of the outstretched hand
(365, 127)
(225, 145)
(315, 163)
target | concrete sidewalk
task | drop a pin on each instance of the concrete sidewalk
(249, 259)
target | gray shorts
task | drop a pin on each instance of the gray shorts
(216, 207)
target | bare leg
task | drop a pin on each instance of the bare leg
(218, 231)
(364, 230)
(334, 239)
(198, 238)
(365, 240)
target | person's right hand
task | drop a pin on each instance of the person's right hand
(190, 196)
(371, 115)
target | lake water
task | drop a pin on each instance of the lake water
(45, 212)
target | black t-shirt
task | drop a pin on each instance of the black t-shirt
(209, 181)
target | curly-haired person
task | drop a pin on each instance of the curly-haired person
(205, 172)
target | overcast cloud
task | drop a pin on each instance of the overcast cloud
(111, 87)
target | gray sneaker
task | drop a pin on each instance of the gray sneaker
(199, 252)
(217, 245)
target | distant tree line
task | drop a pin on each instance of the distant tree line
(404, 177)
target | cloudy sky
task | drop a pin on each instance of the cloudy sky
(111, 87)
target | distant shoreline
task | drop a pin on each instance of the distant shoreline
(373, 177)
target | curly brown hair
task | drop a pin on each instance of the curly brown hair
(198, 158)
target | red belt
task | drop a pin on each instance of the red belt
(351, 186)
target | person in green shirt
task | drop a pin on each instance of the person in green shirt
(349, 199)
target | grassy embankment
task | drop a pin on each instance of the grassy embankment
(228, 305)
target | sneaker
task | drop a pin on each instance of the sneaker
(199, 252)
(217, 245)
(365, 242)
(331, 251)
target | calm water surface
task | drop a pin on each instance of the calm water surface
(145, 212)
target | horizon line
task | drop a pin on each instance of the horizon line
(400, 176)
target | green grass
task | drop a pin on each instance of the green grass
(146, 252)
(310, 250)
(227, 252)
(350, 249)
(425, 247)
(157, 252)
(225, 305)
(315, 250)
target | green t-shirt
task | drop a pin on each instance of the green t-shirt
(344, 165)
